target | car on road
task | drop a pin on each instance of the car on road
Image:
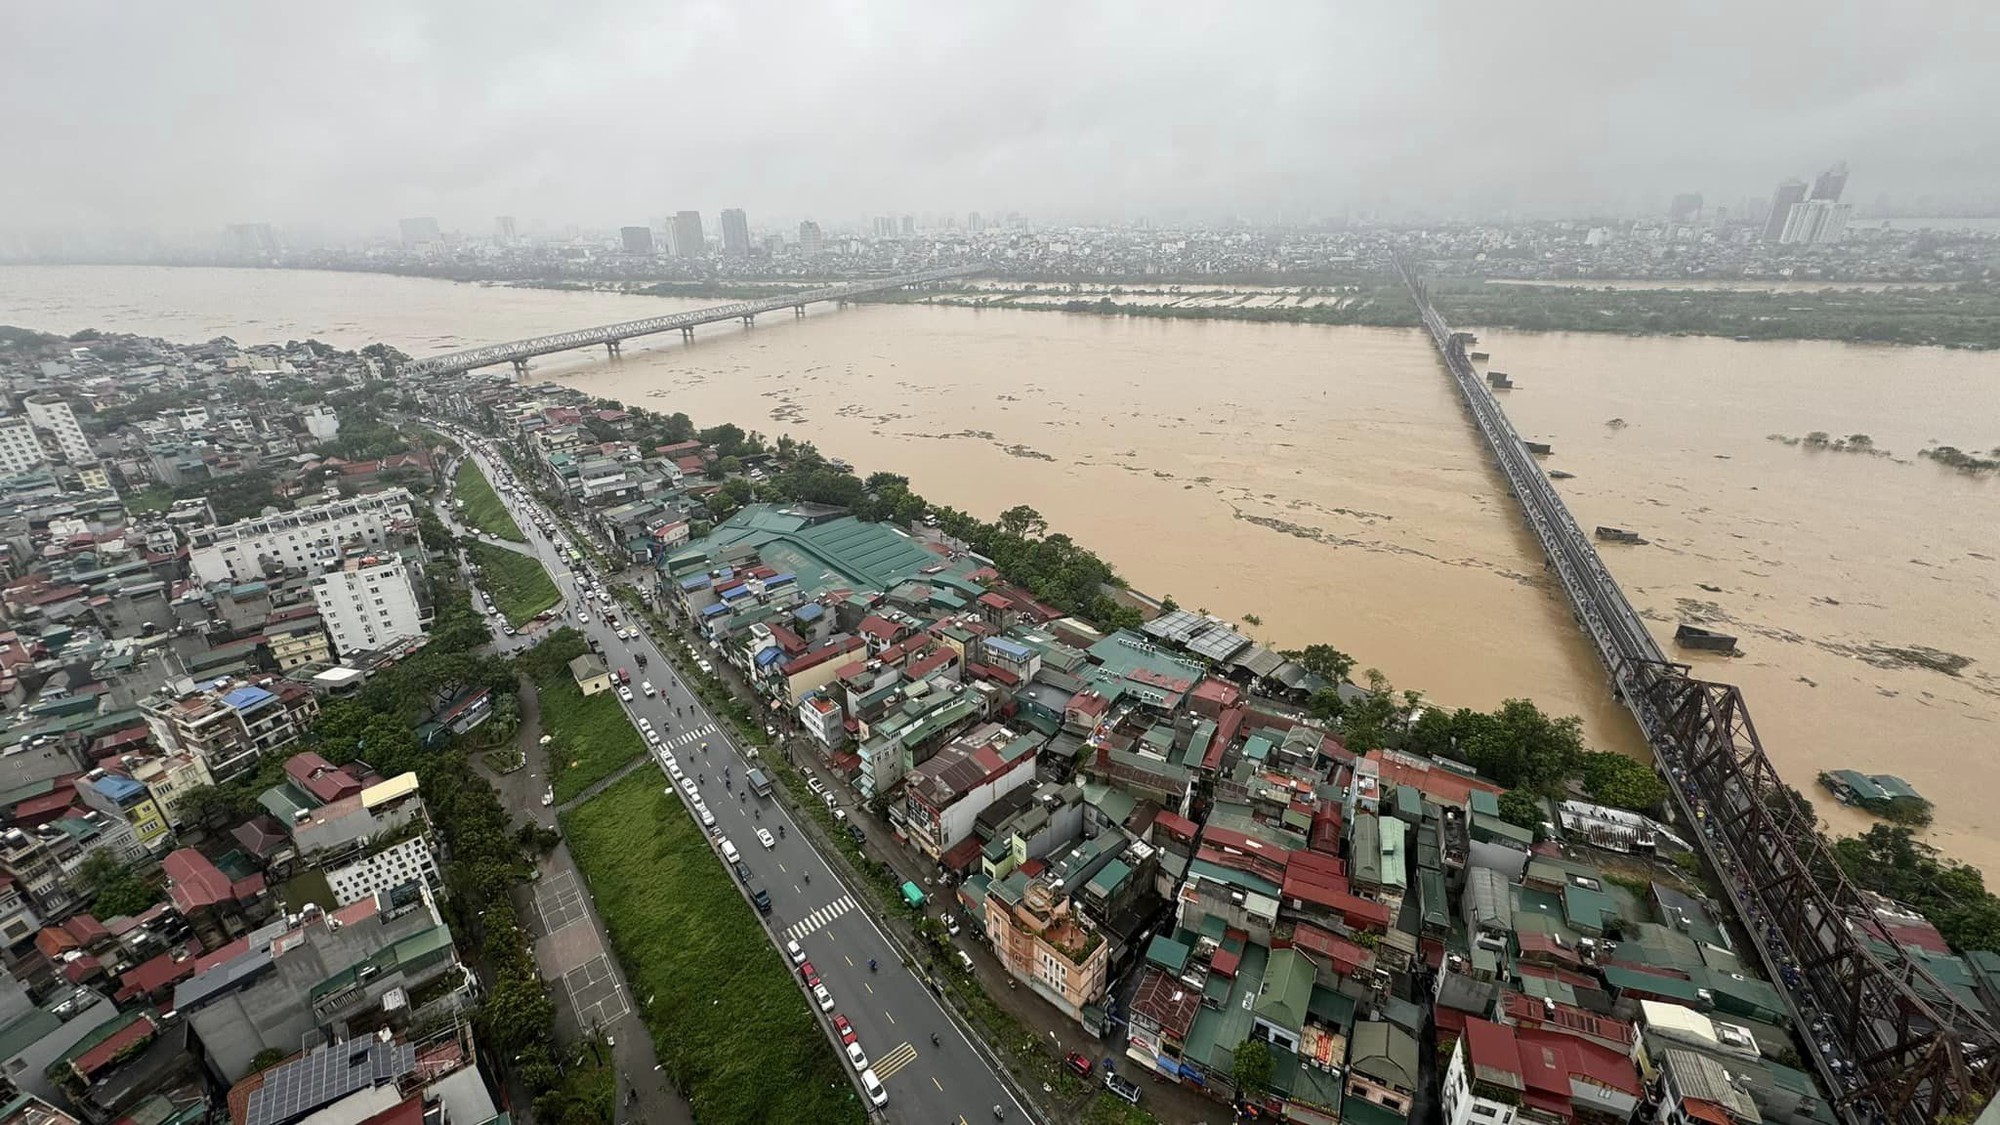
(548, 796)
(653, 736)
(854, 830)
(808, 974)
(646, 687)
(742, 872)
(625, 694)
(706, 667)
(765, 838)
(844, 1029)
(813, 785)
(707, 818)
(1122, 1086)
(763, 900)
(820, 993)
(624, 677)
(856, 1056)
(1078, 1063)
(688, 784)
(674, 771)
(877, 1096)
(797, 955)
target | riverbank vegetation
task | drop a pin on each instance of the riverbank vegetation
(732, 1029)
(1959, 316)
(593, 737)
(521, 588)
(483, 507)
(1890, 860)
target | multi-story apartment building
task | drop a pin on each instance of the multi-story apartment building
(309, 539)
(20, 450)
(55, 416)
(229, 723)
(169, 776)
(1044, 943)
(370, 602)
(299, 642)
(118, 796)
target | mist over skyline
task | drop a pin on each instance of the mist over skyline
(601, 112)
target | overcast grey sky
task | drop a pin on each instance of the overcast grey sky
(608, 111)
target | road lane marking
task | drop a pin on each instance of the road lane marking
(889, 1064)
(891, 1015)
(871, 992)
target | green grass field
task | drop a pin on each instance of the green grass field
(732, 1030)
(519, 585)
(593, 736)
(483, 507)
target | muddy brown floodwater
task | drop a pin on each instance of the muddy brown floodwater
(1325, 480)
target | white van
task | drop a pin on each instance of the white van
(728, 849)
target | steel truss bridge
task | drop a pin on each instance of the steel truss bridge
(519, 352)
(1887, 1040)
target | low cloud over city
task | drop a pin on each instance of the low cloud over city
(601, 111)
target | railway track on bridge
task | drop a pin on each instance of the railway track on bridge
(519, 352)
(1886, 1038)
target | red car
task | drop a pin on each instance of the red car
(1079, 1062)
(845, 1029)
(806, 971)
(624, 677)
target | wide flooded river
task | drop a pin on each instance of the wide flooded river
(1325, 480)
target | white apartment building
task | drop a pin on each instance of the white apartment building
(369, 603)
(55, 416)
(308, 539)
(20, 450)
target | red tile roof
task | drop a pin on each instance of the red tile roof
(148, 978)
(193, 883)
(1491, 1046)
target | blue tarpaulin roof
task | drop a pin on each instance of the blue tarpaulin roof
(808, 612)
(694, 582)
(244, 698)
(769, 657)
(119, 788)
(711, 611)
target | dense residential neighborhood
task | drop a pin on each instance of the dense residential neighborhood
(255, 616)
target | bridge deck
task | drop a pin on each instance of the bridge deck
(612, 333)
(1890, 1042)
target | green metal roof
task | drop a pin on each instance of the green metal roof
(1288, 984)
(1168, 954)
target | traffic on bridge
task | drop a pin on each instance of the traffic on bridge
(1892, 1043)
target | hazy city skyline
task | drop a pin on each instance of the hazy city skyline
(610, 113)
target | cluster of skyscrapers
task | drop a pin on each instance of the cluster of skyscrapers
(1808, 216)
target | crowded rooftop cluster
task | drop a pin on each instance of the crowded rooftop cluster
(204, 918)
(1157, 824)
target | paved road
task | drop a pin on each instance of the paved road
(891, 1009)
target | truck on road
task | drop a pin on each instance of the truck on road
(759, 782)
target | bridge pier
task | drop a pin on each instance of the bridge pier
(611, 349)
(687, 335)
(520, 369)
(749, 319)
(798, 310)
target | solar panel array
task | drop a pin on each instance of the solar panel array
(325, 1076)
